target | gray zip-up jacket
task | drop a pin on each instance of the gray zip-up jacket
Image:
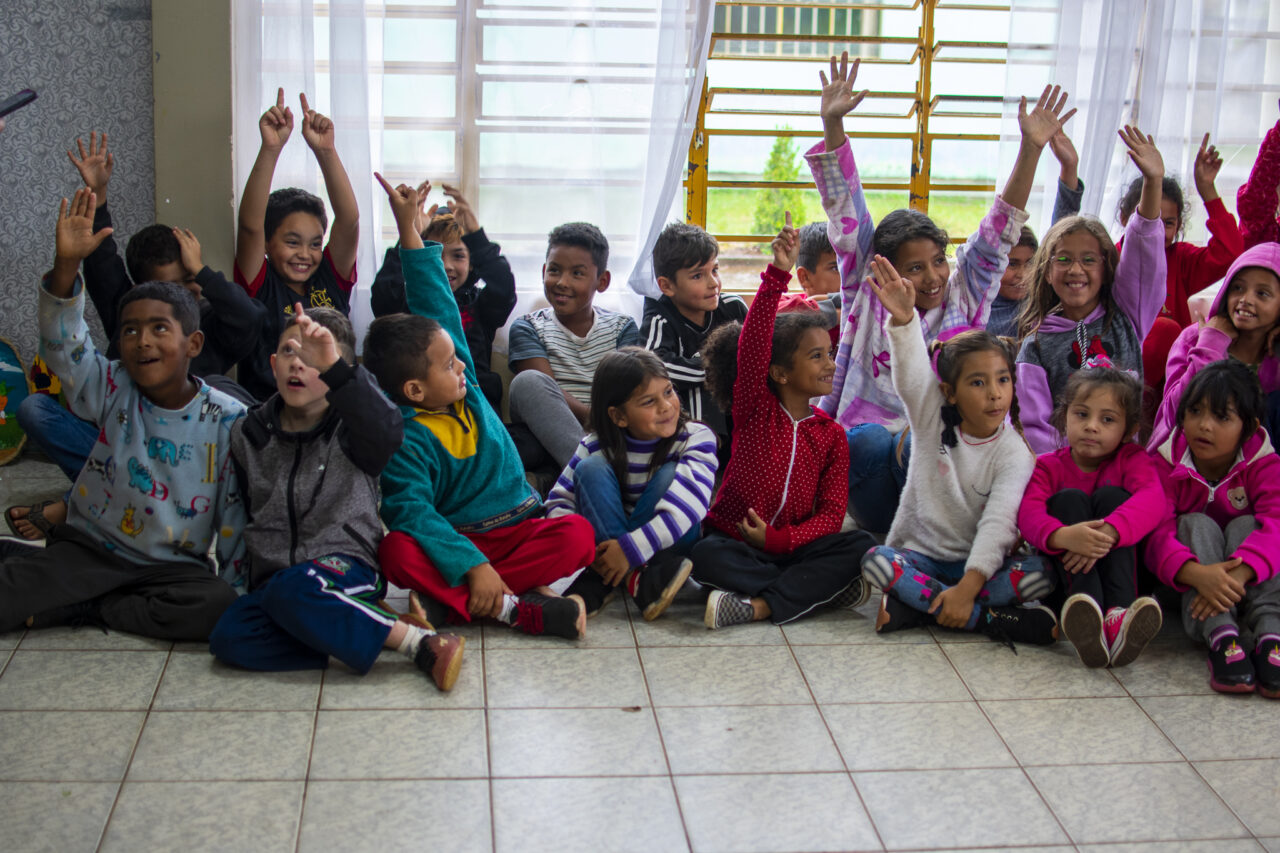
(315, 493)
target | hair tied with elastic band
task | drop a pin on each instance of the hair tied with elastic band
(950, 421)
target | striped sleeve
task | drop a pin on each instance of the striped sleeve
(561, 500)
(685, 502)
(661, 339)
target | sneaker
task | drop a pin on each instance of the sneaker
(654, 585)
(1139, 624)
(440, 656)
(1266, 663)
(725, 609)
(896, 616)
(546, 614)
(593, 591)
(854, 595)
(1230, 670)
(1009, 625)
(425, 611)
(1084, 627)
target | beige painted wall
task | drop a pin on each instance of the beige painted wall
(191, 64)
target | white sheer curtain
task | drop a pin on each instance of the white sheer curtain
(541, 119)
(1180, 68)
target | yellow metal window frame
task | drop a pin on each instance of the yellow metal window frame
(928, 50)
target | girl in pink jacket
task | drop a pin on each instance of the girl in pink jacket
(1088, 506)
(1219, 541)
(1243, 325)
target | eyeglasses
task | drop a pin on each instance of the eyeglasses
(1088, 262)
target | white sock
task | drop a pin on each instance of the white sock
(412, 639)
(508, 613)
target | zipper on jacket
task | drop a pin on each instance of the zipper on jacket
(293, 515)
(786, 482)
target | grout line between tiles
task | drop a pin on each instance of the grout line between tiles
(488, 738)
(306, 775)
(155, 691)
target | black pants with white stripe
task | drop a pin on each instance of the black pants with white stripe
(792, 584)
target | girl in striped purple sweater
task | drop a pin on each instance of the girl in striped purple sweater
(643, 477)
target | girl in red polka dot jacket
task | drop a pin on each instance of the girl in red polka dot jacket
(773, 547)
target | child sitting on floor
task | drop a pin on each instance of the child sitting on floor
(1220, 536)
(947, 557)
(281, 257)
(773, 547)
(157, 491)
(554, 351)
(308, 461)
(1088, 506)
(643, 477)
(465, 525)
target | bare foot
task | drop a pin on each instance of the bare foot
(54, 513)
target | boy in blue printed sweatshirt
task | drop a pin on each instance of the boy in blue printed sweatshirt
(466, 527)
(158, 488)
(308, 461)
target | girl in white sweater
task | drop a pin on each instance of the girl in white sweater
(947, 554)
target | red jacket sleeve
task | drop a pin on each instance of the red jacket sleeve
(830, 505)
(1201, 266)
(755, 345)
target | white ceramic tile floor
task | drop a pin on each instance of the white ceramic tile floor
(651, 736)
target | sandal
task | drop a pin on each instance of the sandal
(34, 517)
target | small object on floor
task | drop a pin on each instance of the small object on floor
(34, 517)
(854, 595)
(726, 608)
(896, 616)
(1010, 625)
(545, 614)
(1139, 624)
(440, 656)
(1084, 627)
(654, 585)
(1230, 670)
(1266, 665)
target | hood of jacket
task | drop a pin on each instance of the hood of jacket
(1265, 255)
(1174, 449)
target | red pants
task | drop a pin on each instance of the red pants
(531, 553)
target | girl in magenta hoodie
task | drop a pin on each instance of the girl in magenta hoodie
(1088, 506)
(1219, 542)
(1243, 325)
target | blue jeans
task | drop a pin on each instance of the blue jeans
(599, 497)
(876, 477)
(916, 579)
(64, 438)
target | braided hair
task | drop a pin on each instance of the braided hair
(949, 358)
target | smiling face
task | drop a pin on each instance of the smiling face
(457, 263)
(1095, 427)
(1253, 300)
(812, 366)
(1013, 284)
(924, 263)
(570, 281)
(1075, 274)
(298, 383)
(696, 289)
(982, 393)
(296, 248)
(651, 412)
(154, 349)
(1172, 219)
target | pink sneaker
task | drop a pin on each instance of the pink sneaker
(1138, 625)
(1111, 625)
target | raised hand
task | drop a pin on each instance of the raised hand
(1068, 159)
(424, 216)
(95, 165)
(1208, 165)
(76, 239)
(1143, 153)
(317, 348)
(838, 97)
(276, 124)
(1045, 119)
(896, 294)
(405, 206)
(317, 129)
(786, 246)
(192, 260)
(461, 209)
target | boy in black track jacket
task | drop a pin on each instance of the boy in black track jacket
(308, 461)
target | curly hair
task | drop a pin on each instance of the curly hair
(1169, 188)
(583, 235)
(720, 351)
(149, 248)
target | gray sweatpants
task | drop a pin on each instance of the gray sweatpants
(537, 402)
(1260, 607)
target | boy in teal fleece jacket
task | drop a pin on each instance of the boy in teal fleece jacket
(466, 529)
